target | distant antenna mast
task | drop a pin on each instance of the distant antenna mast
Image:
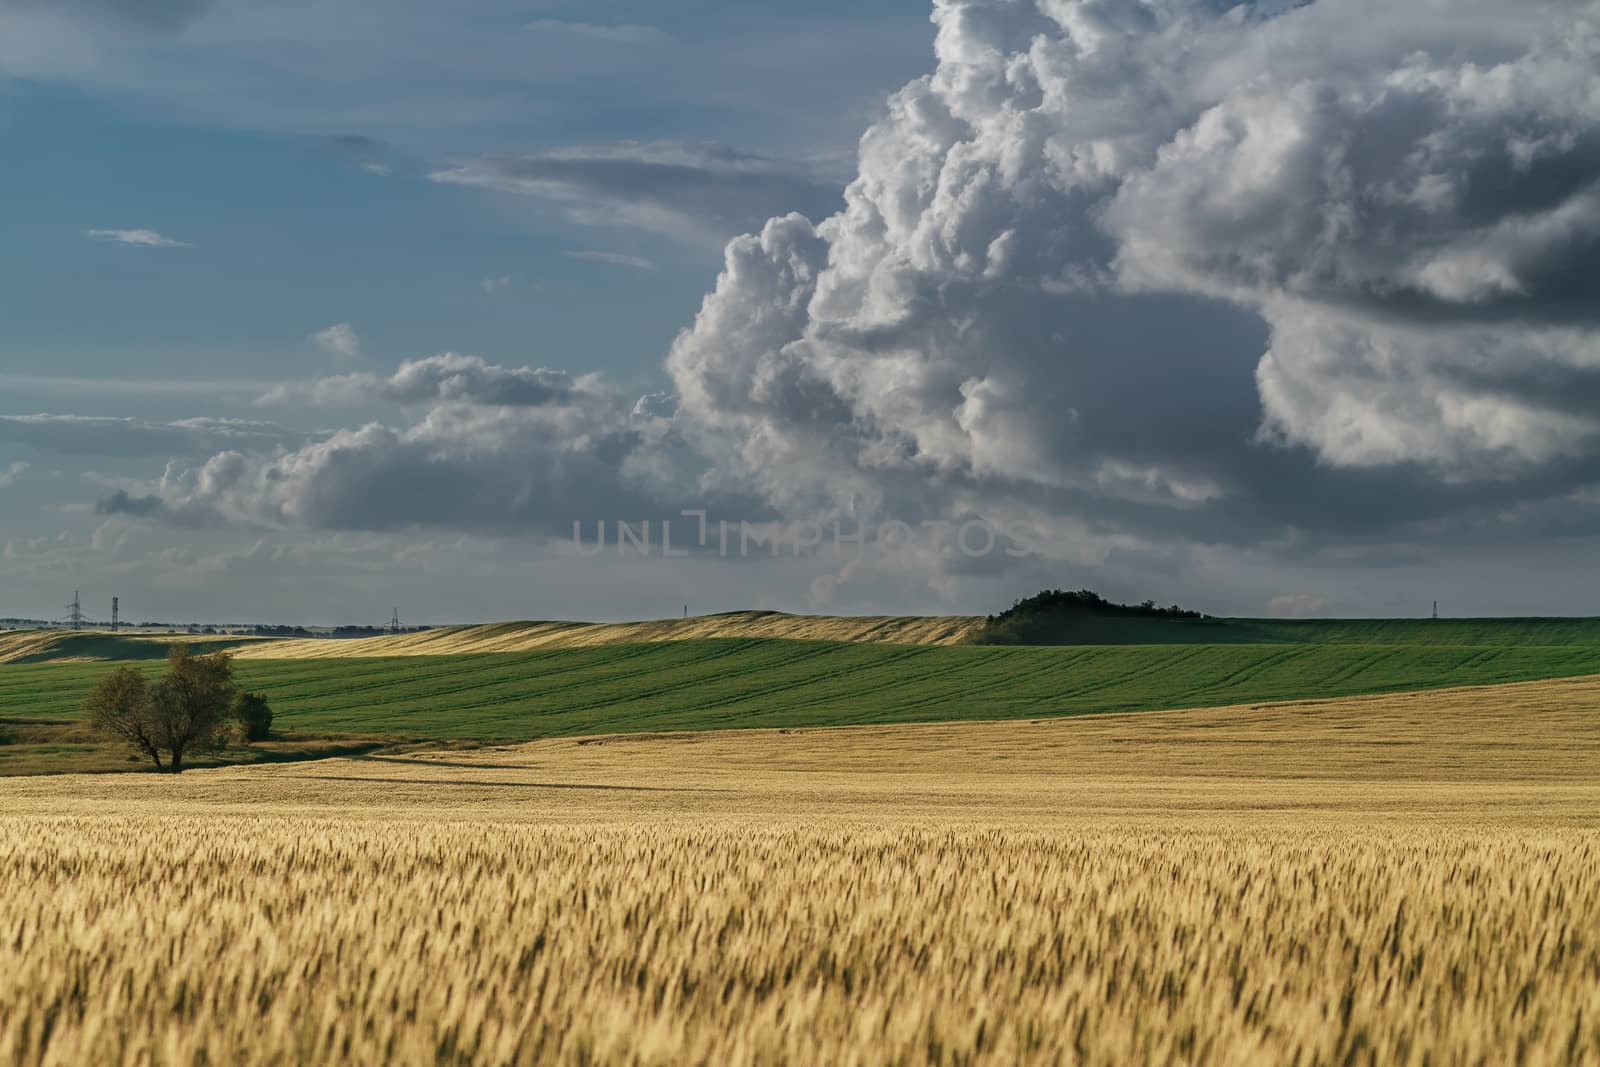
(686, 611)
(75, 612)
(116, 612)
(394, 623)
(1435, 609)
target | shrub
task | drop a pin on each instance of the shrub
(253, 714)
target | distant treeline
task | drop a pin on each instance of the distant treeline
(1056, 616)
(223, 629)
(335, 631)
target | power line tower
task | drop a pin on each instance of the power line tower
(116, 612)
(75, 612)
(394, 623)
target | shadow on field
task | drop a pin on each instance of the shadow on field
(30, 747)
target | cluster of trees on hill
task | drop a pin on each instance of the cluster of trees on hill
(195, 708)
(1058, 617)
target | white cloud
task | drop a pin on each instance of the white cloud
(140, 238)
(339, 340)
(1172, 275)
(656, 406)
(446, 378)
(496, 285)
(688, 190)
(1060, 242)
(487, 456)
(615, 259)
(1473, 400)
(12, 474)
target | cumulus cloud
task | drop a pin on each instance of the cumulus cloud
(1166, 275)
(340, 340)
(12, 474)
(687, 190)
(1066, 247)
(138, 238)
(467, 464)
(445, 378)
(494, 450)
(656, 406)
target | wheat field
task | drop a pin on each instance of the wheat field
(1385, 880)
(536, 636)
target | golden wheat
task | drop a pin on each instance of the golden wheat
(1411, 880)
(533, 636)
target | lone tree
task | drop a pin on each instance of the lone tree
(187, 711)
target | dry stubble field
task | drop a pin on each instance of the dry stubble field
(1394, 880)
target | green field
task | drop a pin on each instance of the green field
(719, 684)
(1476, 633)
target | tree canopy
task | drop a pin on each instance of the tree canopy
(186, 712)
(1059, 617)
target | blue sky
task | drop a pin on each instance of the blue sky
(310, 309)
(287, 233)
(287, 156)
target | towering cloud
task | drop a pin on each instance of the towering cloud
(1169, 272)
(1065, 247)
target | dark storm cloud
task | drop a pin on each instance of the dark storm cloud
(123, 503)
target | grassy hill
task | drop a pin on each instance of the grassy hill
(722, 683)
(535, 636)
(57, 646)
(937, 630)
(1439, 633)
(64, 646)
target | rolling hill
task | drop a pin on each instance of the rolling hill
(727, 683)
(59, 646)
(535, 636)
(937, 630)
(65, 646)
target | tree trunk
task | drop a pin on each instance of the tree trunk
(177, 761)
(155, 754)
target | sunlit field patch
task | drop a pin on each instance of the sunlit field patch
(1395, 880)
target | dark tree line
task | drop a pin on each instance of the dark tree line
(1056, 616)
